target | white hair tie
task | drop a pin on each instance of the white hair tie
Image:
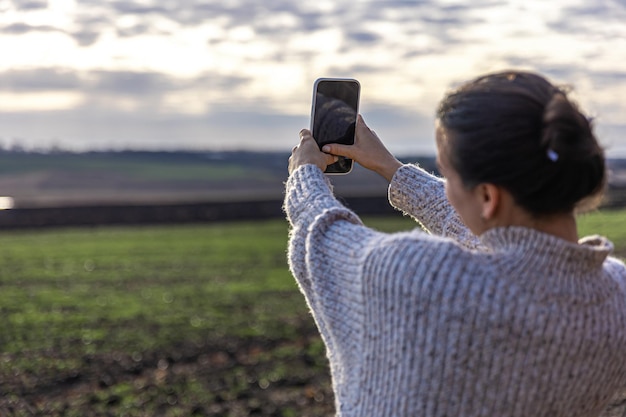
(552, 155)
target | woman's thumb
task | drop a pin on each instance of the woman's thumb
(338, 149)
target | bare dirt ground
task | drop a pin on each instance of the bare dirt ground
(230, 378)
(227, 378)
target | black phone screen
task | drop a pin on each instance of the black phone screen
(335, 108)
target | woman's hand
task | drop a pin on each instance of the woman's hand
(308, 152)
(368, 150)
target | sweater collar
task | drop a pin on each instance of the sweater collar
(589, 252)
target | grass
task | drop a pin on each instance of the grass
(120, 312)
(609, 223)
(58, 285)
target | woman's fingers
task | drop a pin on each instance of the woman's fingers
(308, 152)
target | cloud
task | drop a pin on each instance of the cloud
(192, 12)
(90, 27)
(39, 79)
(85, 37)
(609, 78)
(605, 19)
(23, 28)
(132, 83)
(88, 32)
(132, 92)
(30, 4)
(99, 81)
(136, 8)
(610, 9)
(136, 30)
(363, 37)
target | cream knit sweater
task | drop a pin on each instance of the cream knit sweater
(514, 323)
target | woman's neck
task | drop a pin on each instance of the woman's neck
(501, 210)
(560, 225)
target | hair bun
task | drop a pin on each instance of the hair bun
(518, 130)
(568, 139)
(566, 131)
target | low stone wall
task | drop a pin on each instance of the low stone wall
(189, 213)
(166, 213)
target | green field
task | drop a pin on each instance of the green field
(167, 320)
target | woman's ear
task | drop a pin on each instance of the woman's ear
(490, 197)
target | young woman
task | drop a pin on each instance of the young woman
(495, 307)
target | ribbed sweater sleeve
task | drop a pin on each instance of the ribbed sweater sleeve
(327, 248)
(422, 196)
(311, 207)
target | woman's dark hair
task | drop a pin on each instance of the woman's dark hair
(517, 130)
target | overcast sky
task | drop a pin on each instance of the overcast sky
(216, 74)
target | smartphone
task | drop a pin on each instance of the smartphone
(333, 116)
